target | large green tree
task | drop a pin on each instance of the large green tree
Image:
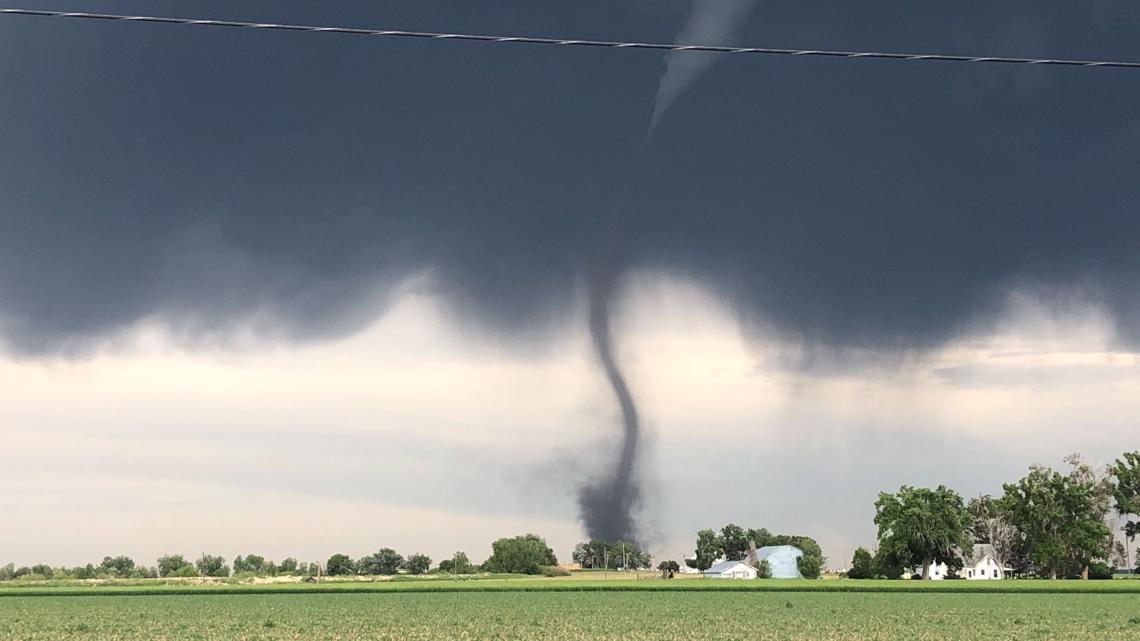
(457, 564)
(463, 565)
(862, 565)
(250, 564)
(1126, 492)
(989, 524)
(210, 565)
(921, 526)
(44, 570)
(288, 566)
(120, 566)
(597, 554)
(590, 554)
(173, 565)
(418, 564)
(760, 537)
(385, 562)
(1061, 517)
(734, 541)
(629, 556)
(340, 565)
(84, 572)
(525, 554)
(668, 569)
(709, 548)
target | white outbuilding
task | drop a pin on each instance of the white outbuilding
(731, 570)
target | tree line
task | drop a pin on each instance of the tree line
(1049, 523)
(524, 554)
(596, 554)
(733, 543)
(169, 566)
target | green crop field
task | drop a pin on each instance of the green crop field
(579, 582)
(562, 616)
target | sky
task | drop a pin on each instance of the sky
(300, 294)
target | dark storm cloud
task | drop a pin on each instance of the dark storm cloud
(212, 179)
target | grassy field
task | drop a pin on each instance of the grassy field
(527, 616)
(583, 582)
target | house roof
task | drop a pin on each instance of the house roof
(980, 551)
(978, 554)
(769, 550)
(725, 566)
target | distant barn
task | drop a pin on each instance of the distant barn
(782, 560)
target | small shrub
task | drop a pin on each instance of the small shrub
(553, 570)
(184, 572)
(32, 577)
(764, 571)
(1099, 571)
(810, 565)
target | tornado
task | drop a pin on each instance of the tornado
(607, 505)
(709, 21)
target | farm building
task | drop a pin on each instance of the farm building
(731, 570)
(981, 565)
(782, 560)
(938, 571)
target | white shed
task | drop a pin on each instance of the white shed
(731, 570)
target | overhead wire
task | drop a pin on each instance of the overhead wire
(567, 42)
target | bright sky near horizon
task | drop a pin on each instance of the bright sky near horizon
(410, 435)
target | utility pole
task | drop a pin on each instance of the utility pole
(606, 564)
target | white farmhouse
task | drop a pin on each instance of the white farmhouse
(731, 570)
(981, 565)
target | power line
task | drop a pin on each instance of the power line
(469, 37)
